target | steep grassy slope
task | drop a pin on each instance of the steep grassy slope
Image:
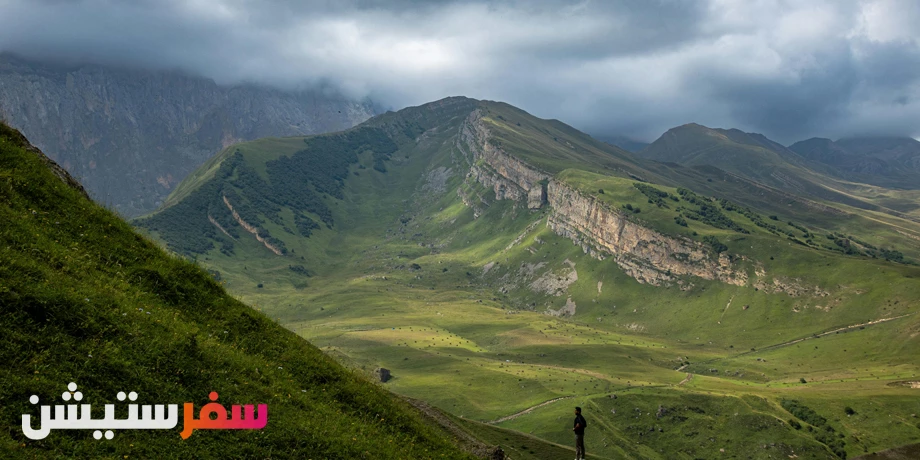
(454, 266)
(85, 299)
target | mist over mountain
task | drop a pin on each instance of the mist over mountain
(130, 135)
(624, 142)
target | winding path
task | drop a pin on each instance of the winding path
(526, 411)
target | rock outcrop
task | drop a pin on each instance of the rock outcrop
(645, 254)
(130, 136)
(382, 374)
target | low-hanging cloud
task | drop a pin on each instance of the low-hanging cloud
(789, 69)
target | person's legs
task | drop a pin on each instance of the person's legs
(580, 445)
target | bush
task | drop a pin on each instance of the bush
(715, 244)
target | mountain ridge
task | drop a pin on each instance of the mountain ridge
(88, 300)
(495, 261)
(885, 161)
(131, 135)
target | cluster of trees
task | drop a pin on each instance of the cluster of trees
(750, 214)
(301, 182)
(655, 196)
(708, 213)
(185, 226)
(817, 425)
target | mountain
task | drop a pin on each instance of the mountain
(85, 299)
(750, 154)
(885, 161)
(131, 135)
(754, 157)
(506, 268)
(624, 142)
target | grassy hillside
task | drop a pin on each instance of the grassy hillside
(482, 310)
(885, 161)
(809, 174)
(85, 299)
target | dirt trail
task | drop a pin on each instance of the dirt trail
(685, 380)
(854, 326)
(465, 440)
(726, 309)
(526, 411)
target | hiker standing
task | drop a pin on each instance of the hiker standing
(579, 429)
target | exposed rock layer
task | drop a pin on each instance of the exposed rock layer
(646, 255)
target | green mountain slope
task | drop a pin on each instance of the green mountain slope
(884, 161)
(507, 268)
(85, 299)
(755, 158)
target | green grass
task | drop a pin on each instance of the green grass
(469, 333)
(86, 299)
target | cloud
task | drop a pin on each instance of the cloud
(788, 69)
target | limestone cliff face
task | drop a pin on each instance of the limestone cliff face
(643, 253)
(509, 177)
(130, 136)
(646, 255)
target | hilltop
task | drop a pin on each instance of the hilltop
(813, 169)
(86, 299)
(506, 268)
(884, 161)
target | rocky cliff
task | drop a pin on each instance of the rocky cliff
(602, 231)
(131, 135)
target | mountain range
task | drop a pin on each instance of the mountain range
(131, 135)
(713, 292)
(886, 161)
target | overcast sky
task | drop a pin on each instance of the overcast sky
(788, 69)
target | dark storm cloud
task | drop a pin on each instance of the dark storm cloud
(788, 69)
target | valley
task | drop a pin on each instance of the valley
(505, 268)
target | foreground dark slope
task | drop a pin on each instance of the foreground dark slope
(85, 299)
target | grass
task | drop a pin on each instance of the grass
(468, 331)
(86, 299)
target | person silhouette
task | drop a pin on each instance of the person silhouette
(579, 429)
